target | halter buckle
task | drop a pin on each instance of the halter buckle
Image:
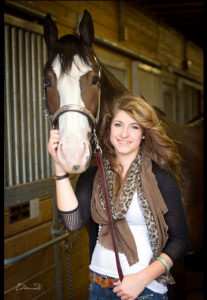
(46, 114)
(95, 139)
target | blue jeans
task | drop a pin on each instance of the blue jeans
(108, 294)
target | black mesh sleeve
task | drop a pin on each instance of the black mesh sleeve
(178, 242)
(75, 219)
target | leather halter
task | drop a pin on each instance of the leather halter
(74, 107)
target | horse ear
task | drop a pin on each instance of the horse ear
(50, 32)
(86, 29)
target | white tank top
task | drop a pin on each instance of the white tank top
(104, 262)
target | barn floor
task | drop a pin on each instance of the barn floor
(194, 266)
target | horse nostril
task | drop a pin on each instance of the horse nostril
(76, 167)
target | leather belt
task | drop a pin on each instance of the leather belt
(104, 281)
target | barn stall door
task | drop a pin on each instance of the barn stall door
(181, 99)
(190, 100)
(170, 104)
(30, 212)
(146, 81)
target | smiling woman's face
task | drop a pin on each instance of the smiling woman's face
(126, 134)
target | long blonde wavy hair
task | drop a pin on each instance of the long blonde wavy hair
(161, 148)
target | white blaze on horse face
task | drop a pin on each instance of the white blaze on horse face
(74, 150)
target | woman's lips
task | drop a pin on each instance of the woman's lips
(124, 143)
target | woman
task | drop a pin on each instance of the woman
(143, 177)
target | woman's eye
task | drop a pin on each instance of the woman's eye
(95, 79)
(135, 127)
(117, 124)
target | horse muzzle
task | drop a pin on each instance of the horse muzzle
(75, 158)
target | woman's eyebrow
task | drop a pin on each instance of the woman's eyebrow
(130, 124)
(118, 121)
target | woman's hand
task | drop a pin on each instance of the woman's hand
(53, 144)
(130, 288)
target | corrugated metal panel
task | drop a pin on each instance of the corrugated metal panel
(26, 130)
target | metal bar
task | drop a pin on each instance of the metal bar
(47, 155)
(28, 191)
(29, 196)
(40, 105)
(26, 254)
(15, 105)
(22, 105)
(20, 23)
(8, 135)
(28, 10)
(28, 105)
(34, 103)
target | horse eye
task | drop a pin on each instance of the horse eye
(47, 81)
(95, 79)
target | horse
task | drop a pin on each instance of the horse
(72, 77)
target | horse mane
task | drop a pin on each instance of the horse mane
(66, 47)
(159, 110)
(117, 85)
(196, 119)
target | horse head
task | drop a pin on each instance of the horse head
(71, 77)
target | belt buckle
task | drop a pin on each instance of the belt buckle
(102, 277)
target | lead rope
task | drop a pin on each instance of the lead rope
(65, 246)
(98, 156)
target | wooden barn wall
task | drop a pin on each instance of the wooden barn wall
(20, 237)
(146, 37)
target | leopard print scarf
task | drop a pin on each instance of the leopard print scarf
(120, 208)
(135, 178)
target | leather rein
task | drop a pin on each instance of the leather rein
(97, 151)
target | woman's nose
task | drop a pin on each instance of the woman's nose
(124, 132)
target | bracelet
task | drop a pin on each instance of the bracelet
(60, 177)
(164, 262)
